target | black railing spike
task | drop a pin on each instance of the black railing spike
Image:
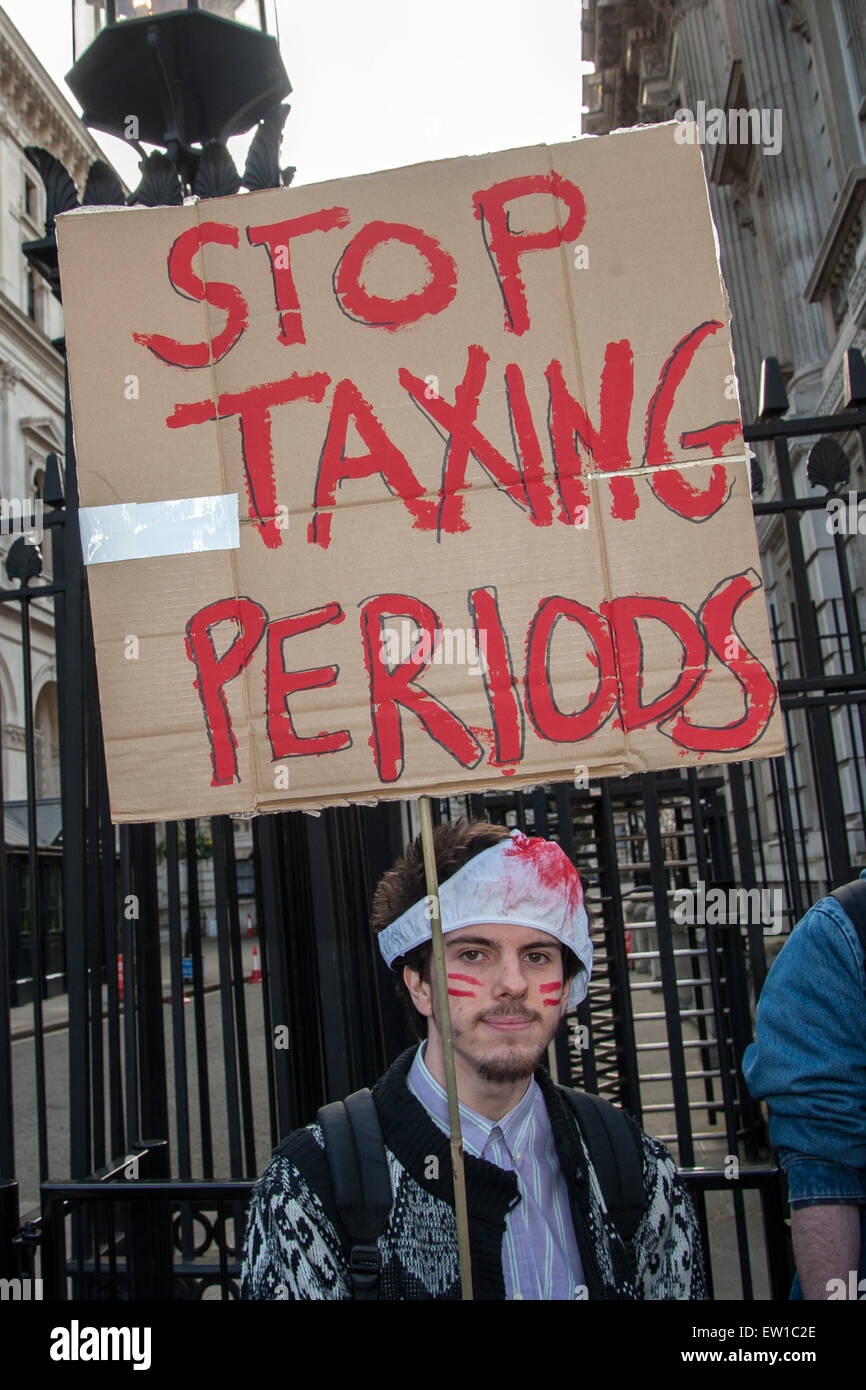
(53, 491)
(773, 398)
(855, 379)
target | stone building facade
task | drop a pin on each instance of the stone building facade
(32, 112)
(788, 192)
(32, 413)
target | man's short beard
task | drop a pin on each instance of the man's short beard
(505, 1070)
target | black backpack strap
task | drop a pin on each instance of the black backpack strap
(362, 1184)
(616, 1153)
(852, 896)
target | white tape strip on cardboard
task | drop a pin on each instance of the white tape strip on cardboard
(142, 530)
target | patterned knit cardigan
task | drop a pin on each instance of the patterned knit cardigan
(296, 1245)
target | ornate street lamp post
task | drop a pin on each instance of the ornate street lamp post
(183, 78)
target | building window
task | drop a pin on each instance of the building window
(45, 546)
(47, 742)
(852, 22)
(31, 198)
(30, 286)
(246, 878)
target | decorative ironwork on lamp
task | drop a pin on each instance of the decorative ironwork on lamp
(175, 75)
(183, 78)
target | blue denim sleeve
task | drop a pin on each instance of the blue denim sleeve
(809, 1060)
(813, 1182)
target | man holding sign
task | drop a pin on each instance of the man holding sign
(567, 1198)
(484, 404)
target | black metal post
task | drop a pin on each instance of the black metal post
(149, 1242)
(153, 1108)
(824, 759)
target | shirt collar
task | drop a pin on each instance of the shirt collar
(475, 1128)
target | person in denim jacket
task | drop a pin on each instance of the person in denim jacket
(809, 1064)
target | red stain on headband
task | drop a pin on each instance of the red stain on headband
(555, 872)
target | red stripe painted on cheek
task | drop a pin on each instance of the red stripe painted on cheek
(545, 989)
(552, 1001)
(465, 993)
(469, 979)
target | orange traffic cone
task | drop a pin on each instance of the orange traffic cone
(256, 976)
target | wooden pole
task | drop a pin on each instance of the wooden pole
(460, 1209)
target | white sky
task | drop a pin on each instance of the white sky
(381, 83)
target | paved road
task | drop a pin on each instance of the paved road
(57, 1096)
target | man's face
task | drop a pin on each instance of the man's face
(506, 996)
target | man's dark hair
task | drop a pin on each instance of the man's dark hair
(454, 844)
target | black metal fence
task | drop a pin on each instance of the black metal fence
(183, 1067)
(184, 1240)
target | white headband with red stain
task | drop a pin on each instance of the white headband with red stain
(529, 882)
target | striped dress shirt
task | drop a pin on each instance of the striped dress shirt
(540, 1258)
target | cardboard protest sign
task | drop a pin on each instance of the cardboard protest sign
(480, 420)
